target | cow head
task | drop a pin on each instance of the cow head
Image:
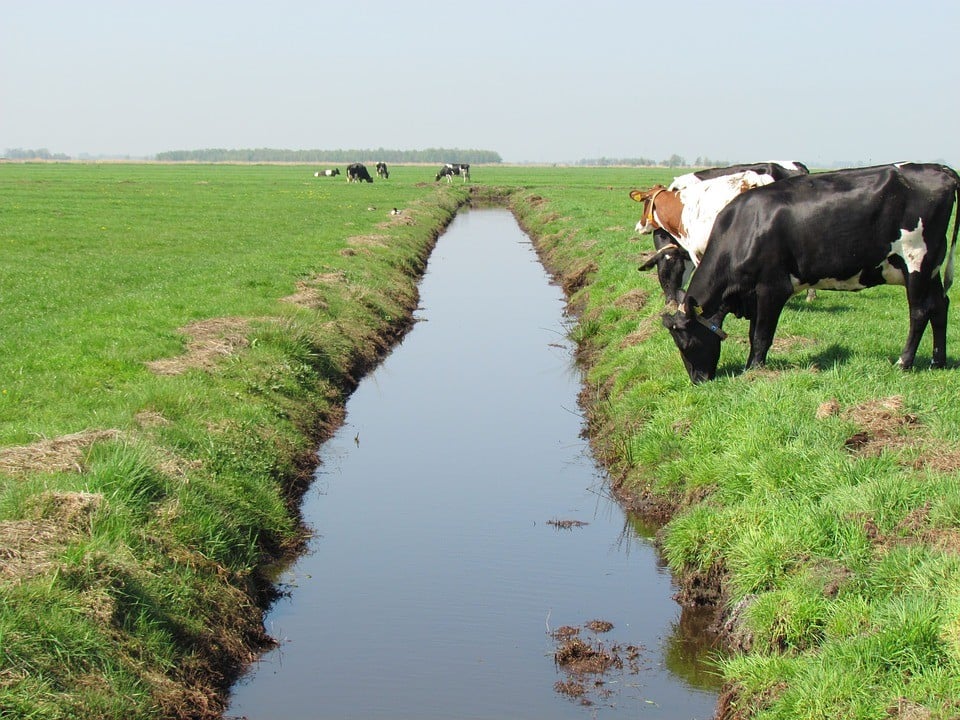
(647, 222)
(698, 340)
(670, 260)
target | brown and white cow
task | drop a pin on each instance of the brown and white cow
(681, 215)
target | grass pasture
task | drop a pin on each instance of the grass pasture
(175, 338)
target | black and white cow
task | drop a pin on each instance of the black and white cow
(357, 172)
(327, 173)
(451, 169)
(843, 230)
(672, 257)
(382, 171)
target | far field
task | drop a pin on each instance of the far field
(175, 339)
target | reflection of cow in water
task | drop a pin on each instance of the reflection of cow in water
(327, 173)
(357, 172)
(382, 171)
(451, 169)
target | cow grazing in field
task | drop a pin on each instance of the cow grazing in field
(382, 171)
(327, 173)
(843, 230)
(681, 225)
(357, 172)
(451, 169)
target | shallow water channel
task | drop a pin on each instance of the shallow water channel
(460, 521)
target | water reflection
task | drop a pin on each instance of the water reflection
(436, 581)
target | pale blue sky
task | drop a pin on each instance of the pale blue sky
(817, 81)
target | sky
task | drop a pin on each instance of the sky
(828, 83)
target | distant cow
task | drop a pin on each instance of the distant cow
(843, 230)
(451, 169)
(357, 172)
(382, 171)
(327, 173)
(687, 212)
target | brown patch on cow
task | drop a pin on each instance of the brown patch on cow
(210, 341)
(61, 454)
(668, 208)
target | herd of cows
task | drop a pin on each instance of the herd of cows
(357, 172)
(744, 239)
(749, 237)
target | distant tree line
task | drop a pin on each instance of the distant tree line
(40, 154)
(429, 155)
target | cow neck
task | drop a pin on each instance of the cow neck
(668, 215)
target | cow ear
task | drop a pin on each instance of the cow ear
(638, 195)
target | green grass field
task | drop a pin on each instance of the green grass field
(175, 339)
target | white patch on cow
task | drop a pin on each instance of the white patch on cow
(682, 181)
(785, 164)
(892, 275)
(703, 201)
(911, 247)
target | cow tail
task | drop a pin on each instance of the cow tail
(948, 270)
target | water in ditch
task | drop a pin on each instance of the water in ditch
(463, 531)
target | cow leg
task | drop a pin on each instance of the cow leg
(938, 321)
(763, 323)
(928, 303)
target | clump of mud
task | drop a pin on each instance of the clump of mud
(589, 662)
(567, 524)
